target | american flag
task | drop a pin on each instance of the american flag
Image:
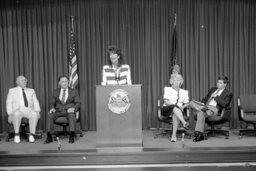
(73, 69)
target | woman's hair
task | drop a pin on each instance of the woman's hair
(177, 76)
(116, 50)
(224, 79)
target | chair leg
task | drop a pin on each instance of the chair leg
(9, 136)
(23, 134)
(247, 132)
(65, 133)
(213, 131)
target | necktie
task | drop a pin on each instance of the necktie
(63, 96)
(178, 97)
(25, 98)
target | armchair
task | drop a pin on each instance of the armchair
(247, 112)
(23, 130)
(63, 122)
(221, 118)
(168, 120)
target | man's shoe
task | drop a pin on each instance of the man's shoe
(196, 133)
(199, 137)
(48, 140)
(17, 139)
(71, 140)
(31, 138)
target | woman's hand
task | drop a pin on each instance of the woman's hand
(167, 102)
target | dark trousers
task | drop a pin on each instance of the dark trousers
(71, 117)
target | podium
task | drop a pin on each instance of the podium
(119, 116)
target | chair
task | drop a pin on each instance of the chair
(63, 122)
(221, 118)
(168, 120)
(23, 130)
(247, 112)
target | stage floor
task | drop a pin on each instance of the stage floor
(88, 142)
(158, 152)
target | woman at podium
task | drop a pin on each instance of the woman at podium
(175, 100)
(116, 72)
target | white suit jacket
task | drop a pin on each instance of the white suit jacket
(15, 100)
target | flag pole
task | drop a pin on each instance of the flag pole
(174, 66)
(72, 22)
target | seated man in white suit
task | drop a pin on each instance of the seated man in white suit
(22, 102)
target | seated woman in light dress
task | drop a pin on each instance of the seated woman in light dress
(116, 72)
(175, 100)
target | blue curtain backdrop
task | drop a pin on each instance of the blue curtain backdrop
(214, 37)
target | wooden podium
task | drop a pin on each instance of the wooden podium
(119, 116)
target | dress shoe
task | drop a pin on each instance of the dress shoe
(199, 137)
(17, 139)
(71, 140)
(196, 133)
(48, 139)
(186, 125)
(173, 139)
(31, 138)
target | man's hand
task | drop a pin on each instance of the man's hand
(52, 110)
(213, 95)
(71, 110)
(182, 108)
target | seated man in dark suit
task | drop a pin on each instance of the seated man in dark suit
(65, 101)
(217, 99)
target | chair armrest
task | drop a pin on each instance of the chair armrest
(159, 115)
(77, 115)
(240, 109)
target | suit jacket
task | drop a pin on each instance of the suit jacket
(223, 100)
(73, 100)
(15, 100)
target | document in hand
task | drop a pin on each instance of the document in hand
(200, 103)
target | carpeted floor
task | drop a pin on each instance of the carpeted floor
(88, 141)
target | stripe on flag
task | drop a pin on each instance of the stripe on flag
(73, 69)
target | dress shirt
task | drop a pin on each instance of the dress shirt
(212, 101)
(61, 92)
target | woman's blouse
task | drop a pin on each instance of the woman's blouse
(116, 76)
(176, 97)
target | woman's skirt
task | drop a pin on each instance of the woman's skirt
(166, 111)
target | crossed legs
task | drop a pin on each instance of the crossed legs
(176, 119)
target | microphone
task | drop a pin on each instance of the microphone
(117, 75)
(59, 144)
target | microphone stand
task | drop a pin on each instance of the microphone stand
(59, 144)
(182, 140)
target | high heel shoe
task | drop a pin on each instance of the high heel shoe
(186, 125)
(173, 139)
